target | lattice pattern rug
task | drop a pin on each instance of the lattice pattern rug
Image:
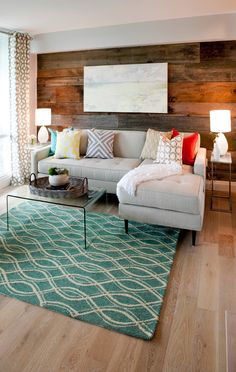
(117, 283)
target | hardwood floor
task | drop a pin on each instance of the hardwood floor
(191, 335)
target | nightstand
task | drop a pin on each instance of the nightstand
(226, 159)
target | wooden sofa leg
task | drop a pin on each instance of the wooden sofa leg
(126, 226)
(194, 233)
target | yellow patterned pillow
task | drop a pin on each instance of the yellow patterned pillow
(68, 144)
(151, 144)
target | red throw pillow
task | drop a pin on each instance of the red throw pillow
(189, 147)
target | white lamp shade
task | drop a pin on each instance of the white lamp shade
(220, 121)
(43, 116)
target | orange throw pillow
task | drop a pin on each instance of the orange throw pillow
(189, 147)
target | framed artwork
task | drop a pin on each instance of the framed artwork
(126, 88)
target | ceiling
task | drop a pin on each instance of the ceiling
(43, 16)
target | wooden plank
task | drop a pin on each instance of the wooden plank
(163, 122)
(204, 342)
(207, 300)
(204, 72)
(69, 94)
(46, 95)
(178, 53)
(230, 325)
(68, 108)
(199, 108)
(214, 92)
(64, 72)
(86, 121)
(60, 81)
(226, 245)
(226, 300)
(218, 51)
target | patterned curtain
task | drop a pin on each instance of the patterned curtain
(19, 57)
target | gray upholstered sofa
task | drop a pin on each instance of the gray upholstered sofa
(176, 201)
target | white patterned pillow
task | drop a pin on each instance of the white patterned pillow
(169, 151)
(100, 144)
(150, 147)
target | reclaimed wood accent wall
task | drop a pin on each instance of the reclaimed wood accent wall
(201, 77)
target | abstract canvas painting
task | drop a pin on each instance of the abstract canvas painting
(126, 88)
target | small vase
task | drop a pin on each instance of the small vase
(58, 180)
(216, 152)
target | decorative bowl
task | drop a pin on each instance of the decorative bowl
(58, 180)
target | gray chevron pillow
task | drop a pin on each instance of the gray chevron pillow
(100, 144)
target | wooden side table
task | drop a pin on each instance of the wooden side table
(226, 159)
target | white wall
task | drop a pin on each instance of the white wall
(207, 28)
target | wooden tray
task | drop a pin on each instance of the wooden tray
(74, 189)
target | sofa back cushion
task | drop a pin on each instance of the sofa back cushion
(68, 144)
(100, 144)
(149, 150)
(191, 146)
(127, 143)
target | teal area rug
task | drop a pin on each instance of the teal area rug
(117, 283)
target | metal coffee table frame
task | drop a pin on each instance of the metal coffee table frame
(83, 202)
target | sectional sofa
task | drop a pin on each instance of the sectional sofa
(176, 201)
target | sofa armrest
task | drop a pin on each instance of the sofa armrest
(37, 155)
(200, 163)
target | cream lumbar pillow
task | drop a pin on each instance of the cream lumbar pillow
(169, 151)
(150, 147)
(68, 144)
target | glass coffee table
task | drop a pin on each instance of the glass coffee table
(84, 202)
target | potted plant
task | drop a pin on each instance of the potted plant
(58, 176)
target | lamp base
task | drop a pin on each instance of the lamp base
(221, 144)
(43, 135)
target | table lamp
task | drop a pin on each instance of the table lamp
(42, 118)
(220, 122)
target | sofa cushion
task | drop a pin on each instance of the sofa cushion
(150, 147)
(169, 151)
(53, 134)
(185, 168)
(179, 193)
(94, 168)
(100, 144)
(128, 144)
(190, 146)
(68, 144)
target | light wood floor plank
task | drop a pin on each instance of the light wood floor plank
(230, 320)
(209, 275)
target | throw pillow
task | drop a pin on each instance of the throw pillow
(100, 144)
(150, 147)
(68, 144)
(189, 150)
(53, 134)
(169, 151)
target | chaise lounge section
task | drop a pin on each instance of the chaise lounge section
(176, 201)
